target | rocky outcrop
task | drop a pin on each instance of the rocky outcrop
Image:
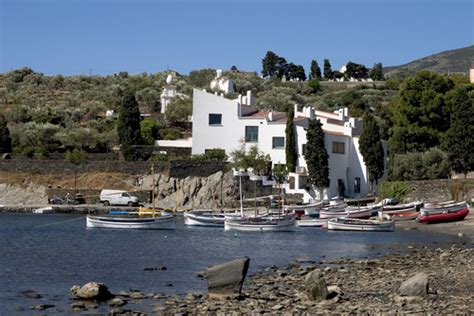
(226, 279)
(417, 285)
(30, 194)
(91, 291)
(315, 286)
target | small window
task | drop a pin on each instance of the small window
(303, 149)
(125, 195)
(215, 119)
(357, 185)
(278, 142)
(338, 148)
(251, 134)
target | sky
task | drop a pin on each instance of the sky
(72, 37)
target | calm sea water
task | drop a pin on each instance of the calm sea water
(50, 253)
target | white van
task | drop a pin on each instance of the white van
(117, 197)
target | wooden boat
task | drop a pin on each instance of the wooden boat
(396, 207)
(442, 208)
(204, 218)
(384, 213)
(131, 222)
(282, 223)
(43, 210)
(404, 216)
(302, 207)
(311, 222)
(360, 201)
(343, 223)
(361, 212)
(446, 216)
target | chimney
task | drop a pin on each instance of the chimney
(249, 97)
(270, 116)
(239, 99)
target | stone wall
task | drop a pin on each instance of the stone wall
(438, 190)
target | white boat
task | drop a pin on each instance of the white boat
(360, 225)
(304, 207)
(43, 210)
(396, 207)
(361, 212)
(443, 208)
(390, 212)
(132, 222)
(260, 224)
(311, 222)
(203, 218)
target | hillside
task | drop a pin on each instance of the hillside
(450, 61)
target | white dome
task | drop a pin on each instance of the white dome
(219, 73)
(169, 79)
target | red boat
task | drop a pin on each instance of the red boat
(444, 217)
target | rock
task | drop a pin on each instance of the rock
(315, 286)
(92, 291)
(41, 307)
(117, 302)
(30, 294)
(137, 295)
(227, 278)
(415, 286)
(460, 235)
(293, 264)
(202, 274)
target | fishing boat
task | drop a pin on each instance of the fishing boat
(310, 209)
(311, 222)
(342, 223)
(396, 207)
(443, 212)
(284, 223)
(204, 218)
(131, 222)
(43, 210)
(404, 216)
(398, 211)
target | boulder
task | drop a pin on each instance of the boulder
(92, 291)
(226, 279)
(315, 286)
(417, 285)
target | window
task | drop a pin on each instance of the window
(303, 149)
(356, 185)
(338, 148)
(278, 142)
(215, 119)
(251, 134)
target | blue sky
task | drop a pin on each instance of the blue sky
(108, 36)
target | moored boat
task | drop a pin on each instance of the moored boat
(404, 216)
(446, 216)
(343, 223)
(43, 210)
(390, 212)
(131, 222)
(204, 218)
(262, 224)
(443, 208)
(311, 222)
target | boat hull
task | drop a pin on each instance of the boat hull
(203, 219)
(162, 222)
(311, 223)
(444, 217)
(361, 225)
(260, 226)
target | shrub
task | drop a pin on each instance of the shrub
(77, 156)
(215, 154)
(169, 133)
(395, 189)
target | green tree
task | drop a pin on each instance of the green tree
(5, 139)
(459, 139)
(293, 71)
(149, 129)
(274, 65)
(419, 114)
(371, 149)
(128, 126)
(201, 78)
(179, 109)
(356, 71)
(316, 155)
(312, 86)
(77, 156)
(376, 73)
(290, 145)
(328, 74)
(315, 72)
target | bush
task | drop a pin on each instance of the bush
(170, 134)
(432, 164)
(215, 154)
(77, 156)
(395, 189)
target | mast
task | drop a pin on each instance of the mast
(153, 189)
(241, 202)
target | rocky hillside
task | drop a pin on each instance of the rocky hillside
(450, 61)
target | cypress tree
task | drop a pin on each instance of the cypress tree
(371, 148)
(316, 155)
(5, 139)
(459, 140)
(377, 72)
(290, 146)
(328, 74)
(128, 126)
(315, 71)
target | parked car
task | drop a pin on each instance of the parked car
(117, 197)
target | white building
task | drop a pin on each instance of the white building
(222, 123)
(222, 83)
(168, 93)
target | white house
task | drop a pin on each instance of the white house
(221, 83)
(168, 93)
(222, 123)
